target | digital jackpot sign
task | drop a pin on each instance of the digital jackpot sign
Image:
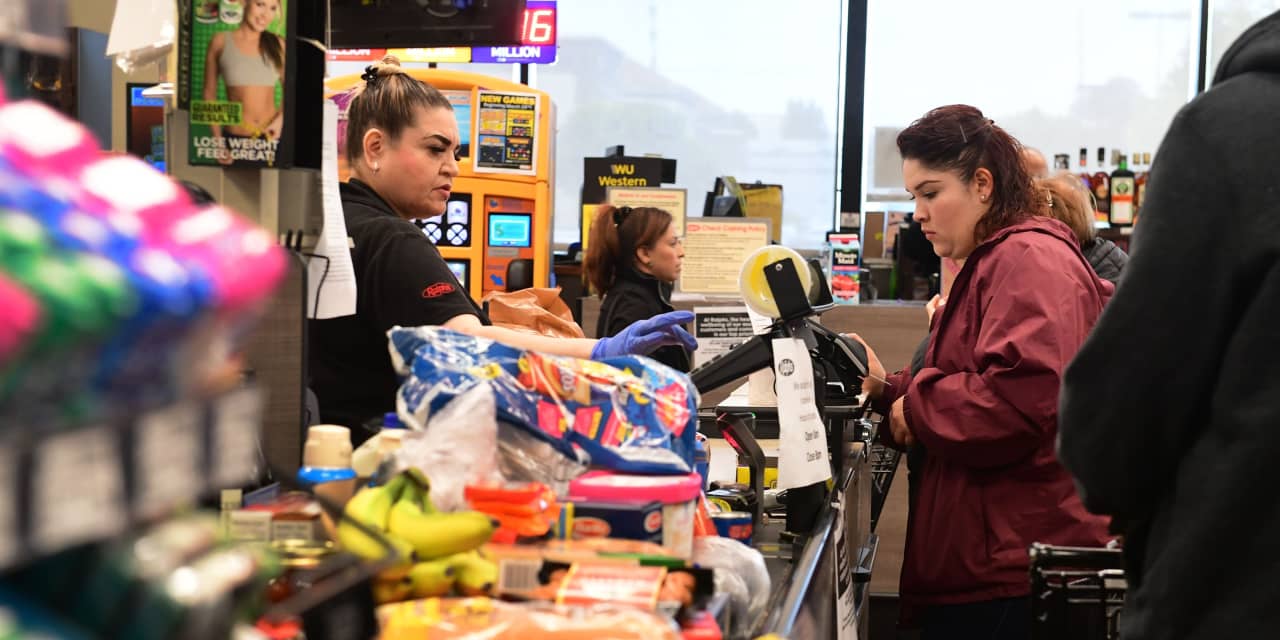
(537, 44)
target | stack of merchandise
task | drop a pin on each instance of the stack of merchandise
(177, 579)
(120, 293)
(121, 303)
(541, 496)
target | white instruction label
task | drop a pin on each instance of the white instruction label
(236, 423)
(77, 489)
(802, 441)
(168, 459)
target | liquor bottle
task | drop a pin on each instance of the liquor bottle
(1085, 176)
(1139, 182)
(1101, 183)
(1140, 187)
(1121, 196)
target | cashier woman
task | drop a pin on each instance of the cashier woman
(402, 145)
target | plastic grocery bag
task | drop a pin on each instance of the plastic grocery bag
(459, 448)
(629, 414)
(536, 311)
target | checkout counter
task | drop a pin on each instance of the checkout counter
(822, 545)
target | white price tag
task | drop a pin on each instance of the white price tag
(237, 419)
(8, 506)
(802, 439)
(78, 489)
(167, 459)
(846, 615)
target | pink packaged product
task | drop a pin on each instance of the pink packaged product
(20, 319)
(130, 186)
(37, 138)
(678, 495)
(244, 261)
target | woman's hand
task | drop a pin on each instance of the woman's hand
(898, 428)
(873, 383)
(934, 305)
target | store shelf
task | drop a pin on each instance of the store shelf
(73, 486)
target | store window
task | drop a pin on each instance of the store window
(1229, 19)
(1092, 73)
(747, 88)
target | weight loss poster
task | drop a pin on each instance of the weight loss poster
(236, 109)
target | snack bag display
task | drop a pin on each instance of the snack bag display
(629, 414)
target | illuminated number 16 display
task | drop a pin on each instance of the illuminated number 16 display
(539, 26)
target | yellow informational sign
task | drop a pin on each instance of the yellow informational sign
(673, 201)
(714, 249)
(506, 138)
(765, 201)
(433, 54)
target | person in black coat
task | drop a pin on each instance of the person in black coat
(633, 261)
(1170, 412)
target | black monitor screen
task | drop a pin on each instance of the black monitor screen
(461, 270)
(510, 230)
(144, 125)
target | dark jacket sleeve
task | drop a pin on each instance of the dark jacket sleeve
(1107, 259)
(1034, 321)
(1128, 405)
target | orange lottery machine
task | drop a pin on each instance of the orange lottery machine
(501, 205)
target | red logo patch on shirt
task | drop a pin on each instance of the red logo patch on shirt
(438, 289)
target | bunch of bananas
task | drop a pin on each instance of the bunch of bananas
(440, 552)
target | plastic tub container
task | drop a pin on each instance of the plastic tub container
(678, 495)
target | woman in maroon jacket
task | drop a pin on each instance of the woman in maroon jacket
(984, 403)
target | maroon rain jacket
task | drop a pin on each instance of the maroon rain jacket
(985, 407)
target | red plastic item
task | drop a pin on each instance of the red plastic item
(524, 509)
(285, 630)
(701, 627)
(703, 525)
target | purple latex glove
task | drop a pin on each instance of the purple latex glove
(643, 337)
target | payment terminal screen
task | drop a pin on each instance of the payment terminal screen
(510, 230)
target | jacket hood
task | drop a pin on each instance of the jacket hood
(1039, 224)
(1257, 49)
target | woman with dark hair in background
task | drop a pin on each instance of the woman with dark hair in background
(402, 145)
(633, 261)
(250, 61)
(984, 400)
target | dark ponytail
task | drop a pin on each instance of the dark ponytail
(616, 233)
(959, 138)
(271, 50)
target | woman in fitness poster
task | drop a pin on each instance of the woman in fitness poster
(237, 75)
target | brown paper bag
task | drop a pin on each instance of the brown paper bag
(536, 311)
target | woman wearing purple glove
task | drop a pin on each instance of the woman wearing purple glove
(633, 261)
(402, 146)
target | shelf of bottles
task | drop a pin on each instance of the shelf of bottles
(1118, 185)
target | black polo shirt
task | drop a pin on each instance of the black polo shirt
(400, 280)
